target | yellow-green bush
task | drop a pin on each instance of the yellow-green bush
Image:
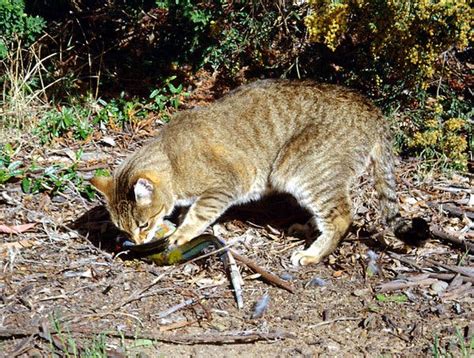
(395, 39)
(441, 135)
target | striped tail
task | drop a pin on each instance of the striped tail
(414, 231)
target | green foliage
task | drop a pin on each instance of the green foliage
(193, 18)
(391, 41)
(16, 24)
(166, 96)
(391, 298)
(57, 178)
(120, 111)
(102, 173)
(241, 39)
(9, 168)
(74, 122)
(465, 350)
(439, 130)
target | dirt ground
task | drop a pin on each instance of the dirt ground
(64, 289)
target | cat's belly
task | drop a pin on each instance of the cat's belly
(258, 190)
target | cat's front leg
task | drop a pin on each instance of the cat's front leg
(205, 210)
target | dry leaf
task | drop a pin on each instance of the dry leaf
(15, 229)
(22, 244)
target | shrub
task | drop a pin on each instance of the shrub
(15, 24)
(391, 41)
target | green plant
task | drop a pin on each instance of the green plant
(9, 168)
(74, 122)
(95, 348)
(439, 130)
(193, 19)
(57, 179)
(465, 350)
(242, 39)
(119, 111)
(391, 298)
(23, 88)
(15, 24)
(391, 41)
(167, 96)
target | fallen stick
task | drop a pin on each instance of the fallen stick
(449, 277)
(458, 291)
(175, 308)
(453, 189)
(452, 210)
(235, 278)
(401, 285)
(188, 339)
(442, 235)
(267, 276)
(465, 271)
(405, 260)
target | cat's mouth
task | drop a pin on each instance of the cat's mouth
(161, 230)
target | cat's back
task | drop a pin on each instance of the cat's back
(287, 100)
(272, 111)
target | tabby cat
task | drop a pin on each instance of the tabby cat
(298, 137)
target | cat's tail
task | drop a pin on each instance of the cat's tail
(414, 231)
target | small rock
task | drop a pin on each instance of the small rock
(439, 309)
(286, 276)
(316, 282)
(109, 141)
(457, 308)
(34, 353)
(361, 292)
(439, 286)
(59, 199)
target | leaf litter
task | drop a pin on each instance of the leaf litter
(63, 270)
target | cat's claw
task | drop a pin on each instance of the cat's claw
(177, 241)
(304, 257)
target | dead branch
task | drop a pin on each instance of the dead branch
(188, 339)
(267, 276)
(403, 284)
(450, 276)
(451, 238)
(465, 271)
(452, 210)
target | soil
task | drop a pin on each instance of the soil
(65, 289)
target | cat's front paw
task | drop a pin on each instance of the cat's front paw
(176, 240)
(305, 257)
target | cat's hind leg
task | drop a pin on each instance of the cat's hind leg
(333, 218)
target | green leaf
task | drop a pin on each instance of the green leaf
(392, 298)
(26, 185)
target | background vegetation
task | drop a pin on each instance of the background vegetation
(71, 69)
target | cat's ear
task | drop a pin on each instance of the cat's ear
(143, 190)
(103, 184)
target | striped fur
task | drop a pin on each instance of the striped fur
(310, 140)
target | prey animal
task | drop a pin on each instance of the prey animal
(298, 137)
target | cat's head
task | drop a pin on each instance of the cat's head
(136, 205)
